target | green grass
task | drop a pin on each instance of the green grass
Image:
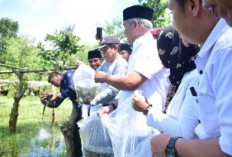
(29, 123)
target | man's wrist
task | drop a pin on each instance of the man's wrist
(179, 145)
(110, 108)
(113, 106)
(170, 149)
(106, 78)
(146, 110)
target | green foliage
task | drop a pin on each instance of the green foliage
(11, 90)
(63, 45)
(160, 16)
(29, 124)
(22, 53)
(8, 29)
(83, 56)
(45, 89)
(115, 28)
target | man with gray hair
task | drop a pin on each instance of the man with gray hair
(144, 61)
(144, 74)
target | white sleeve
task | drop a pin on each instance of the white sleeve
(163, 123)
(187, 121)
(222, 86)
(147, 63)
(187, 117)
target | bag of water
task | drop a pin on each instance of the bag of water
(85, 86)
(95, 137)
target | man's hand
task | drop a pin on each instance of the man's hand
(105, 110)
(100, 77)
(139, 102)
(159, 143)
(54, 97)
(43, 98)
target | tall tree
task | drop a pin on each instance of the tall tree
(160, 16)
(22, 52)
(19, 54)
(62, 45)
(8, 29)
(21, 88)
(22, 59)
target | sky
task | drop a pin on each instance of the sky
(37, 18)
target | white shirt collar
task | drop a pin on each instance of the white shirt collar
(216, 33)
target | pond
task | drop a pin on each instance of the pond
(44, 144)
(34, 135)
(47, 145)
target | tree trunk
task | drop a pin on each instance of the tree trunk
(14, 115)
(14, 111)
(67, 131)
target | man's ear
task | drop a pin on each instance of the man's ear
(116, 47)
(195, 6)
(135, 23)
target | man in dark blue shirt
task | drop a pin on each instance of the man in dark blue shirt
(67, 89)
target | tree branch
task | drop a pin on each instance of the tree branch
(21, 70)
(9, 66)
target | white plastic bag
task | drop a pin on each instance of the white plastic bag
(88, 110)
(129, 132)
(95, 137)
(85, 86)
(123, 133)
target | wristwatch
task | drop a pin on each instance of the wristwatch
(145, 112)
(170, 150)
(114, 106)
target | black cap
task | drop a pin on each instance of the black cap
(94, 54)
(138, 11)
(109, 40)
(125, 47)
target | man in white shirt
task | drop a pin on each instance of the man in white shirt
(144, 62)
(128, 129)
(214, 64)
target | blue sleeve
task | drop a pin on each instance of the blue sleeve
(67, 87)
(55, 103)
